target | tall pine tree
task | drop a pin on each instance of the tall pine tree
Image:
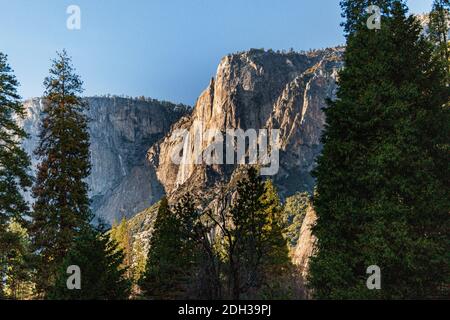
(14, 164)
(382, 179)
(101, 262)
(255, 249)
(61, 208)
(168, 266)
(438, 32)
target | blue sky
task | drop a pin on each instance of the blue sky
(164, 49)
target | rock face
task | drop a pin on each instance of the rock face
(306, 243)
(255, 90)
(122, 183)
(251, 90)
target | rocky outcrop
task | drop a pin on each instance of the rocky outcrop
(306, 243)
(122, 182)
(255, 90)
(251, 90)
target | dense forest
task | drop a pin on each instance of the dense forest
(381, 197)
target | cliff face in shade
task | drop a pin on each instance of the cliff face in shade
(121, 130)
(256, 90)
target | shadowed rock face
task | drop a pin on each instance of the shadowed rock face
(121, 183)
(257, 90)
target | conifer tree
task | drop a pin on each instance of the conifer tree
(382, 179)
(18, 274)
(61, 207)
(255, 248)
(101, 262)
(121, 234)
(355, 12)
(277, 267)
(168, 263)
(438, 31)
(14, 163)
(139, 258)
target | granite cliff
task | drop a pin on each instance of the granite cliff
(122, 182)
(255, 90)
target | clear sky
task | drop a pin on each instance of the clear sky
(164, 49)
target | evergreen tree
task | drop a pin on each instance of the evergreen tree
(101, 262)
(14, 164)
(355, 12)
(255, 248)
(201, 261)
(61, 208)
(382, 179)
(18, 275)
(139, 258)
(277, 268)
(438, 31)
(121, 235)
(168, 263)
(294, 210)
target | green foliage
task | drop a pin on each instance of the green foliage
(356, 15)
(61, 208)
(139, 258)
(101, 262)
(14, 164)
(169, 260)
(121, 235)
(17, 275)
(277, 267)
(438, 32)
(382, 179)
(256, 250)
(294, 212)
(235, 251)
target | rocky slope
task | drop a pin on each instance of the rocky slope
(255, 90)
(251, 90)
(122, 183)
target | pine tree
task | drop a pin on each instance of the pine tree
(354, 12)
(14, 163)
(438, 31)
(277, 267)
(18, 275)
(121, 235)
(139, 260)
(169, 258)
(101, 262)
(201, 263)
(382, 179)
(294, 210)
(61, 208)
(255, 248)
